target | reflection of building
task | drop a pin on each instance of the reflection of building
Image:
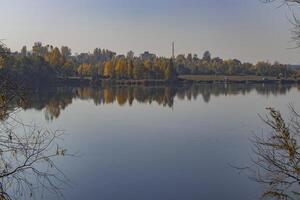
(147, 56)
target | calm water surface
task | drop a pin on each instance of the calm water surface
(146, 143)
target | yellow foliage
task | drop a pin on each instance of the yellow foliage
(85, 69)
(108, 69)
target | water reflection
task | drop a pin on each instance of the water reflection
(180, 151)
(28, 153)
(54, 100)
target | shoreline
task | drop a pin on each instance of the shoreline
(188, 79)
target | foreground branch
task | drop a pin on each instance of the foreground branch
(278, 157)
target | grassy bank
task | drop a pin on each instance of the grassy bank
(180, 79)
(90, 81)
(239, 79)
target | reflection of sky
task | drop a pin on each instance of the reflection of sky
(246, 29)
(153, 152)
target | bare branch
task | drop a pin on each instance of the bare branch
(278, 157)
(27, 153)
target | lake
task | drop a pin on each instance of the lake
(146, 143)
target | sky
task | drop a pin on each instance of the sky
(248, 30)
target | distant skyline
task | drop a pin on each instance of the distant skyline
(247, 30)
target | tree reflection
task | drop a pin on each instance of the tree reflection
(27, 152)
(54, 100)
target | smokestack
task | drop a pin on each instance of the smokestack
(173, 50)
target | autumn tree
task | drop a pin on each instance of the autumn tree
(55, 58)
(109, 69)
(99, 67)
(85, 69)
(138, 70)
(120, 68)
(130, 69)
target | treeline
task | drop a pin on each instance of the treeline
(217, 66)
(44, 63)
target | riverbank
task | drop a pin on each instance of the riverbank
(89, 81)
(235, 79)
(183, 79)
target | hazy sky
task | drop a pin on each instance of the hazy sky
(245, 29)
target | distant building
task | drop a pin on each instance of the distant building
(130, 55)
(147, 56)
(120, 57)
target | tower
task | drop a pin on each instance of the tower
(173, 50)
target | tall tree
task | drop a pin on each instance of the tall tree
(24, 51)
(66, 52)
(130, 69)
(85, 69)
(206, 56)
(4, 52)
(138, 70)
(120, 68)
(130, 55)
(55, 57)
(39, 50)
(170, 72)
(109, 69)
